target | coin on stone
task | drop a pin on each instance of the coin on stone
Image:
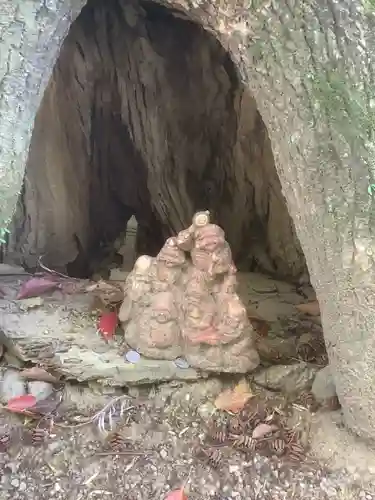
(181, 363)
(132, 357)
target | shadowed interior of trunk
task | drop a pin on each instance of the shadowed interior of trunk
(145, 115)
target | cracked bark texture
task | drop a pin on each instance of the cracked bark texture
(310, 68)
(120, 131)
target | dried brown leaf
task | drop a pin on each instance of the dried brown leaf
(260, 326)
(234, 399)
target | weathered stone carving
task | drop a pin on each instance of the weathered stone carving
(178, 304)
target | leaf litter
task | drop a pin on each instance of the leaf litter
(233, 400)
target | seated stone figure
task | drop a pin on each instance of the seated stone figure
(184, 303)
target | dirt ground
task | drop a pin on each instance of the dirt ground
(77, 460)
(72, 463)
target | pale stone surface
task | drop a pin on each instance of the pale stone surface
(62, 334)
(323, 386)
(6, 270)
(39, 389)
(11, 385)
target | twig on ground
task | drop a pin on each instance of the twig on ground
(52, 271)
(100, 415)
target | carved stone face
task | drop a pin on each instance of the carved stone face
(201, 259)
(171, 255)
(233, 314)
(209, 237)
(221, 260)
(199, 312)
(196, 284)
(166, 275)
(163, 308)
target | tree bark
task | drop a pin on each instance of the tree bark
(310, 69)
(32, 33)
(119, 132)
(314, 88)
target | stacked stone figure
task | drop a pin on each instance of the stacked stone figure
(184, 303)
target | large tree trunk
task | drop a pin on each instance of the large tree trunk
(310, 69)
(121, 131)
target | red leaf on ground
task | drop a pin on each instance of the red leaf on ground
(21, 403)
(108, 324)
(36, 286)
(176, 495)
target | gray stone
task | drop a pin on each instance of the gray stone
(22, 486)
(64, 331)
(186, 396)
(323, 386)
(117, 274)
(7, 269)
(40, 390)
(206, 410)
(286, 378)
(11, 386)
(15, 482)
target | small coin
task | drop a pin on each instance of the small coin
(181, 363)
(132, 357)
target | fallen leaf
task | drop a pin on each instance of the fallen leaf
(107, 325)
(311, 308)
(262, 430)
(36, 286)
(36, 373)
(234, 400)
(21, 403)
(176, 495)
(260, 326)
